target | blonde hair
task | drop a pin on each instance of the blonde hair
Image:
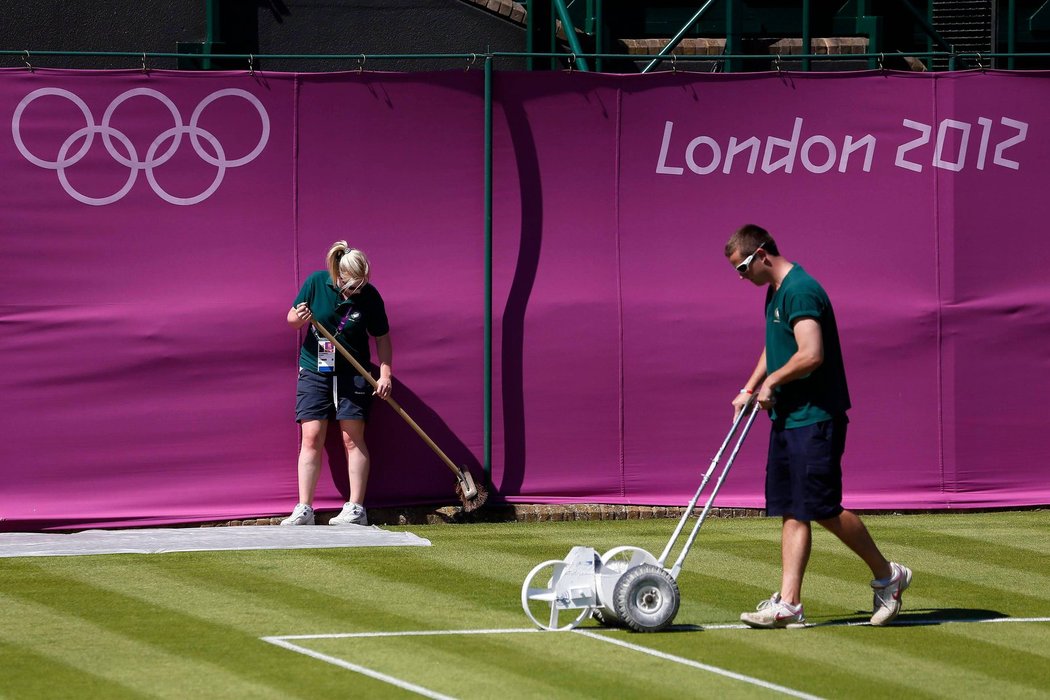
(347, 266)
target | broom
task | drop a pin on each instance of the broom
(472, 495)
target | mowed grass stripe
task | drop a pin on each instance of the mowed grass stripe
(289, 591)
(200, 586)
(930, 661)
(317, 591)
(1009, 568)
(124, 660)
(412, 599)
(1004, 545)
(553, 540)
(990, 581)
(1010, 529)
(985, 647)
(490, 566)
(203, 646)
(40, 675)
(1028, 638)
(936, 662)
(318, 594)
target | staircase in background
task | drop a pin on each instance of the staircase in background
(968, 25)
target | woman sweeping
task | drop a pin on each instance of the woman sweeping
(343, 301)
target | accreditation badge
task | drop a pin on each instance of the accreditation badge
(325, 356)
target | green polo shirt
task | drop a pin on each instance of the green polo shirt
(361, 315)
(823, 394)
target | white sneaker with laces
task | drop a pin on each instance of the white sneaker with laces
(351, 514)
(886, 601)
(774, 613)
(302, 515)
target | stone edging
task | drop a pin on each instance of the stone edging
(510, 512)
(536, 513)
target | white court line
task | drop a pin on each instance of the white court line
(282, 641)
(703, 667)
(285, 642)
(415, 633)
(363, 670)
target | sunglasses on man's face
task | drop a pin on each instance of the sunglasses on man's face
(745, 264)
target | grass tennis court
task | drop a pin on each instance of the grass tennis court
(196, 624)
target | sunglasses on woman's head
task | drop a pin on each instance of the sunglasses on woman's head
(353, 289)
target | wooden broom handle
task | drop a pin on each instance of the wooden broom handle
(393, 404)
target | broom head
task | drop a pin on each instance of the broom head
(471, 494)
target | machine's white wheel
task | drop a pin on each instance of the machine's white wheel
(646, 598)
(614, 563)
(620, 559)
(539, 602)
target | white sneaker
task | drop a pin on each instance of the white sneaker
(302, 515)
(886, 601)
(351, 514)
(774, 613)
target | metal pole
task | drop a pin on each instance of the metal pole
(487, 456)
(211, 29)
(1011, 33)
(677, 38)
(732, 36)
(570, 33)
(807, 38)
(599, 34)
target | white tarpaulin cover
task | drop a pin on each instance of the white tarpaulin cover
(162, 540)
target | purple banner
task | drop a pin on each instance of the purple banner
(157, 227)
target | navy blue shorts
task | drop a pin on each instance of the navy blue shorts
(315, 400)
(804, 470)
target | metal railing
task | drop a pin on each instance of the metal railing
(574, 60)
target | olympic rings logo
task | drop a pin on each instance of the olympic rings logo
(131, 160)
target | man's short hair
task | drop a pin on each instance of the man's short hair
(749, 239)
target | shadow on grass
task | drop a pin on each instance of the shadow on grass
(921, 617)
(938, 616)
(914, 618)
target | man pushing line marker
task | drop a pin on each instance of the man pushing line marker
(801, 381)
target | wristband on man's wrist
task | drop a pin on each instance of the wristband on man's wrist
(747, 391)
